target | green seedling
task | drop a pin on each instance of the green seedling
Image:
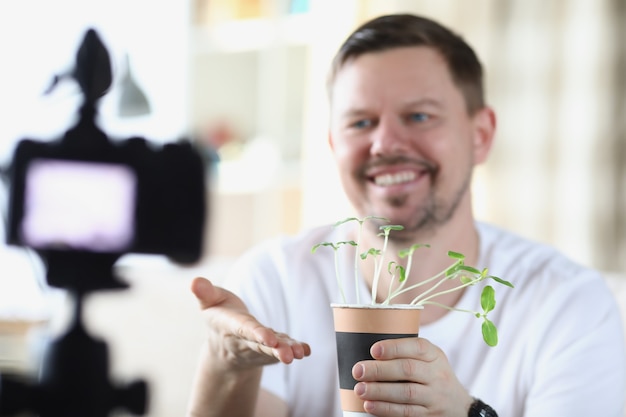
(464, 275)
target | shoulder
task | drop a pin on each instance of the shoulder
(547, 282)
(277, 257)
(290, 247)
(505, 251)
(541, 272)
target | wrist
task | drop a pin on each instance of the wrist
(219, 390)
(480, 409)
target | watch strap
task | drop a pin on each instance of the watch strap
(480, 409)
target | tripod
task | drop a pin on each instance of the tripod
(74, 379)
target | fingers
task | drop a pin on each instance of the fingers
(384, 409)
(206, 293)
(409, 359)
(395, 370)
(288, 349)
(394, 398)
(413, 347)
(283, 349)
(442, 397)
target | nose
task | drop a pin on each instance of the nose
(390, 137)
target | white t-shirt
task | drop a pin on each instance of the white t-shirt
(561, 345)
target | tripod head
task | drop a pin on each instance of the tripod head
(81, 202)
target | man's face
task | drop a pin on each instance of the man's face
(403, 140)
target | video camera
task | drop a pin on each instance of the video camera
(81, 202)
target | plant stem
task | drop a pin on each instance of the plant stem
(434, 303)
(407, 271)
(356, 262)
(343, 295)
(391, 280)
(430, 290)
(419, 284)
(423, 299)
(378, 266)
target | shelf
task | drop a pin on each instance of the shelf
(252, 34)
(247, 176)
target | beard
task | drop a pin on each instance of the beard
(426, 218)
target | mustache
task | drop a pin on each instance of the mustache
(423, 164)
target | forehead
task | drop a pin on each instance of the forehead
(407, 73)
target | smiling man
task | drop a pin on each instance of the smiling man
(404, 138)
(408, 124)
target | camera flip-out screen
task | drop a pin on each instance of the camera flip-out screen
(78, 205)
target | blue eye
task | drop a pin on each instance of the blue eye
(362, 124)
(418, 117)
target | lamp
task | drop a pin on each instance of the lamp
(132, 100)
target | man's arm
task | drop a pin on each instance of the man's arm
(233, 395)
(269, 405)
(228, 377)
(219, 392)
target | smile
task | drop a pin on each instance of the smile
(394, 179)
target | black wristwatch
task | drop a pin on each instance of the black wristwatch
(480, 409)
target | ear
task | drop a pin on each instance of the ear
(484, 132)
(330, 141)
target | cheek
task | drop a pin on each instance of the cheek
(349, 153)
(439, 149)
(453, 146)
(452, 158)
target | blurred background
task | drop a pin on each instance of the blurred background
(247, 77)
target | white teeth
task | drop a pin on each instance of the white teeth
(392, 179)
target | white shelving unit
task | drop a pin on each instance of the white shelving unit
(265, 76)
(252, 75)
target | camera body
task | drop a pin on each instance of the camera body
(125, 197)
(91, 199)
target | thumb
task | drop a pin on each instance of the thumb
(207, 294)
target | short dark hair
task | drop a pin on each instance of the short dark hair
(404, 30)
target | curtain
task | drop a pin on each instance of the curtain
(556, 173)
